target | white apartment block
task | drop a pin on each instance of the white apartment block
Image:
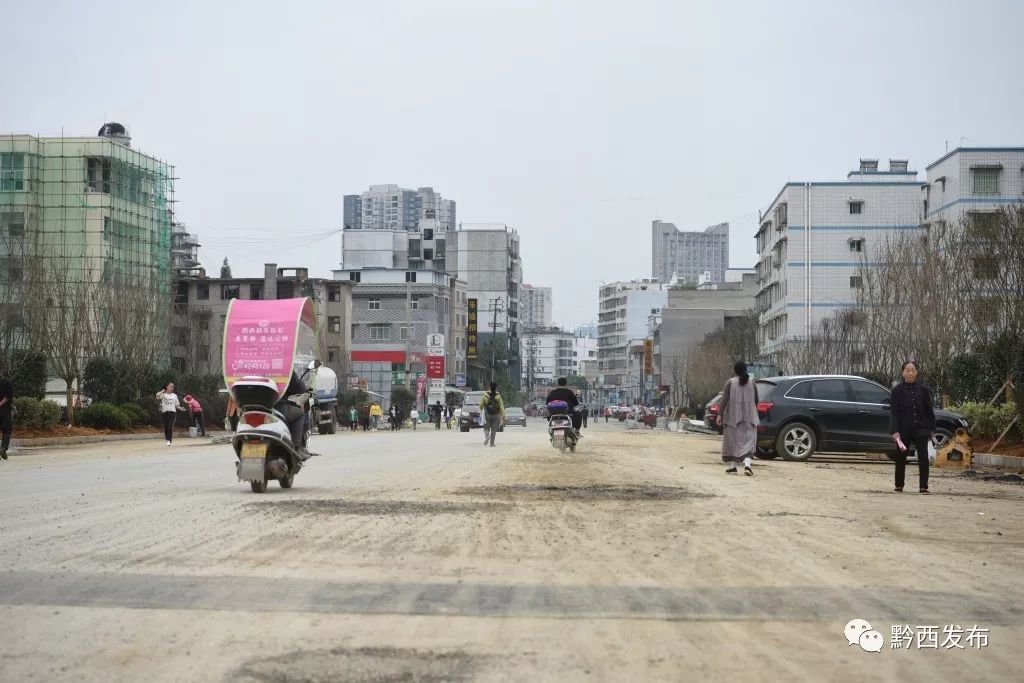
(686, 256)
(547, 355)
(535, 306)
(813, 239)
(390, 207)
(624, 310)
(584, 356)
(971, 182)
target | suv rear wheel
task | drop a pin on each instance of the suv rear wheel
(796, 442)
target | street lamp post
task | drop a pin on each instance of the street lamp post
(496, 308)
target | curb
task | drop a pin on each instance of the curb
(98, 438)
(994, 460)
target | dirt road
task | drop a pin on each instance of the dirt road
(424, 556)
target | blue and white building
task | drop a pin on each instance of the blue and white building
(813, 239)
(972, 183)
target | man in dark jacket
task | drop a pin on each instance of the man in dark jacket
(563, 393)
(6, 411)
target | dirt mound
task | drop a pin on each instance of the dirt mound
(359, 665)
(324, 507)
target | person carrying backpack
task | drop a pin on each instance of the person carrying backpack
(493, 410)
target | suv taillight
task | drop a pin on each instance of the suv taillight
(764, 406)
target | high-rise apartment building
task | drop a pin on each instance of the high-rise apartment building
(390, 207)
(535, 306)
(686, 256)
(486, 257)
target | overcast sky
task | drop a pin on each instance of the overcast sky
(575, 122)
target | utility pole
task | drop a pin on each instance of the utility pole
(408, 331)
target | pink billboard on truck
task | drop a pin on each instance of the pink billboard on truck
(268, 339)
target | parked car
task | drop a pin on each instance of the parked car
(840, 413)
(515, 416)
(711, 413)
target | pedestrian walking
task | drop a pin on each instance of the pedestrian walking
(232, 413)
(586, 418)
(195, 410)
(353, 418)
(607, 414)
(393, 418)
(375, 414)
(739, 415)
(492, 408)
(449, 416)
(6, 412)
(169, 407)
(364, 416)
(414, 415)
(438, 413)
(912, 423)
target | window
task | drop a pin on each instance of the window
(285, 290)
(202, 291)
(403, 333)
(333, 354)
(12, 171)
(828, 390)
(428, 233)
(380, 332)
(334, 293)
(334, 324)
(983, 225)
(856, 207)
(857, 244)
(410, 276)
(106, 228)
(866, 392)
(228, 292)
(428, 254)
(203, 353)
(355, 276)
(97, 170)
(13, 224)
(373, 304)
(986, 180)
(414, 303)
(984, 267)
(256, 291)
(439, 249)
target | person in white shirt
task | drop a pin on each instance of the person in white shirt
(169, 407)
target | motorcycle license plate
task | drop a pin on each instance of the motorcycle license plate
(254, 449)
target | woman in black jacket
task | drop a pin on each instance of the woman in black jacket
(912, 423)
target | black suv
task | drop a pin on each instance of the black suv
(838, 413)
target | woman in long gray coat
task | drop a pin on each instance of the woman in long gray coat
(739, 415)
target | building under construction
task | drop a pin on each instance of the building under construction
(89, 210)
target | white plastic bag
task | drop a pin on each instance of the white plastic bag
(931, 452)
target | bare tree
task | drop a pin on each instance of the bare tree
(136, 305)
(63, 303)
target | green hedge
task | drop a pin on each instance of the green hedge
(36, 414)
(988, 422)
(104, 416)
(136, 414)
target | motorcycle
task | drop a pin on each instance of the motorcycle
(265, 342)
(560, 430)
(263, 442)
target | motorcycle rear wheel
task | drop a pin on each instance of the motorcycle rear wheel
(258, 486)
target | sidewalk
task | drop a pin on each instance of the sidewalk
(100, 438)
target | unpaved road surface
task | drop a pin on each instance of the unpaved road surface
(423, 556)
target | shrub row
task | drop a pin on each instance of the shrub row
(988, 422)
(35, 414)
